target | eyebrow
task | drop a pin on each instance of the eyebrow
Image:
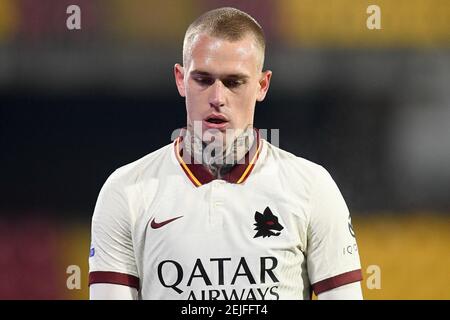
(228, 76)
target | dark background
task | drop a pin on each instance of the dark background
(371, 106)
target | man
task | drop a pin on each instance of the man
(221, 213)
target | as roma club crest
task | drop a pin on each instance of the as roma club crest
(267, 224)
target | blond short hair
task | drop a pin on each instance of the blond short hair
(225, 23)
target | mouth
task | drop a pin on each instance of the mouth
(216, 121)
(216, 118)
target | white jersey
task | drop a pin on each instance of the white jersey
(277, 227)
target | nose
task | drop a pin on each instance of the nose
(217, 95)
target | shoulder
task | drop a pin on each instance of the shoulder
(121, 194)
(146, 167)
(293, 165)
(299, 178)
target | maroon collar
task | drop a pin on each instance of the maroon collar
(200, 175)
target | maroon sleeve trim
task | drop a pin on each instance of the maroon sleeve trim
(337, 281)
(113, 278)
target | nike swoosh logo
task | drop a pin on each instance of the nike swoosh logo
(157, 225)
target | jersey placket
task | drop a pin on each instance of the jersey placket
(217, 203)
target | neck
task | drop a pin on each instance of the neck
(221, 154)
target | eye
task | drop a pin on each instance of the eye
(205, 81)
(232, 83)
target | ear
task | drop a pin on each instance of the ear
(264, 84)
(178, 71)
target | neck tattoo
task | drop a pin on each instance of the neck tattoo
(218, 155)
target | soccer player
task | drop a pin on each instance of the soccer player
(221, 213)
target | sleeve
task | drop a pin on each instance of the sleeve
(351, 291)
(111, 257)
(332, 252)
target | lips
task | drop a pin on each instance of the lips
(215, 121)
(216, 118)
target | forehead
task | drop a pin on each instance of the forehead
(218, 56)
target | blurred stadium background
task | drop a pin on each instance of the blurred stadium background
(372, 106)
